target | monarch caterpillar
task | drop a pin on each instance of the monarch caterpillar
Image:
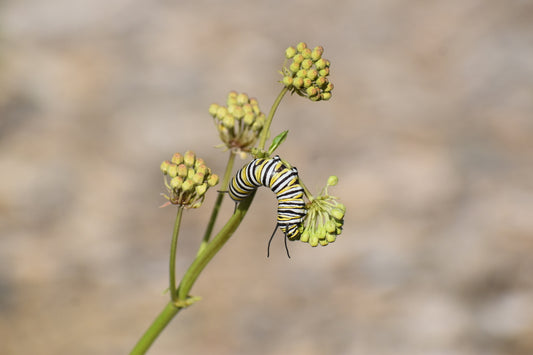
(283, 181)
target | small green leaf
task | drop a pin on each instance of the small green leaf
(277, 141)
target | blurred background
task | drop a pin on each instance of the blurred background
(430, 131)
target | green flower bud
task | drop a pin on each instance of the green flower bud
(323, 242)
(187, 185)
(306, 53)
(201, 189)
(257, 126)
(242, 99)
(164, 167)
(228, 121)
(330, 226)
(324, 72)
(232, 98)
(307, 63)
(238, 112)
(321, 232)
(255, 105)
(317, 53)
(213, 109)
(221, 112)
(177, 158)
(172, 170)
(313, 240)
(298, 83)
(307, 82)
(287, 81)
(329, 87)
(298, 59)
(332, 180)
(248, 119)
(190, 173)
(325, 96)
(301, 46)
(176, 182)
(188, 158)
(290, 52)
(312, 74)
(320, 64)
(321, 82)
(212, 180)
(311, 91)
(301, 73)
(198, 178)
(337, 213)
(248, 108)
(182, 170)
(202, 169)
(304, 237)
(294, 67)
(198, 162)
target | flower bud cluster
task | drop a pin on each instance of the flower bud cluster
(240, 122)
(187, 179)
(325, 218)
(307, 73)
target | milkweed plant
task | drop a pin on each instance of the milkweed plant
(244, 130)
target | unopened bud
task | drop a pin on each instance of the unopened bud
(332, 180)
(188, 158)
(317, 53)
(198, 178)
(307, 63)
(290, 52)
(201, 189)
(301, 46)
(212, 180)
(172, 170)
(229, 121)
(337, 213)
(164, 167)
(187, 185)
(294, 67)
(320, 64)
(176, 183)
(182, 170)
(177, 158)
(213, 109)
(287, 81)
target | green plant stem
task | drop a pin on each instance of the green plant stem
(212, 248)
(155, 329)
(173, 247)
(307, 193)
(173, 307)
(266, 129)
(218, 203)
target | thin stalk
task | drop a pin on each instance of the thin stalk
(212, 248)
(307, 193)
(173, 247)
(266, 129)
(173, 307)
(218, 203)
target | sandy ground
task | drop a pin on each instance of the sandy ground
(430, 130)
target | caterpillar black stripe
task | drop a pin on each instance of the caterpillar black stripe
(283, 181)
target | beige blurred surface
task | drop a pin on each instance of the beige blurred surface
(430, 130)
